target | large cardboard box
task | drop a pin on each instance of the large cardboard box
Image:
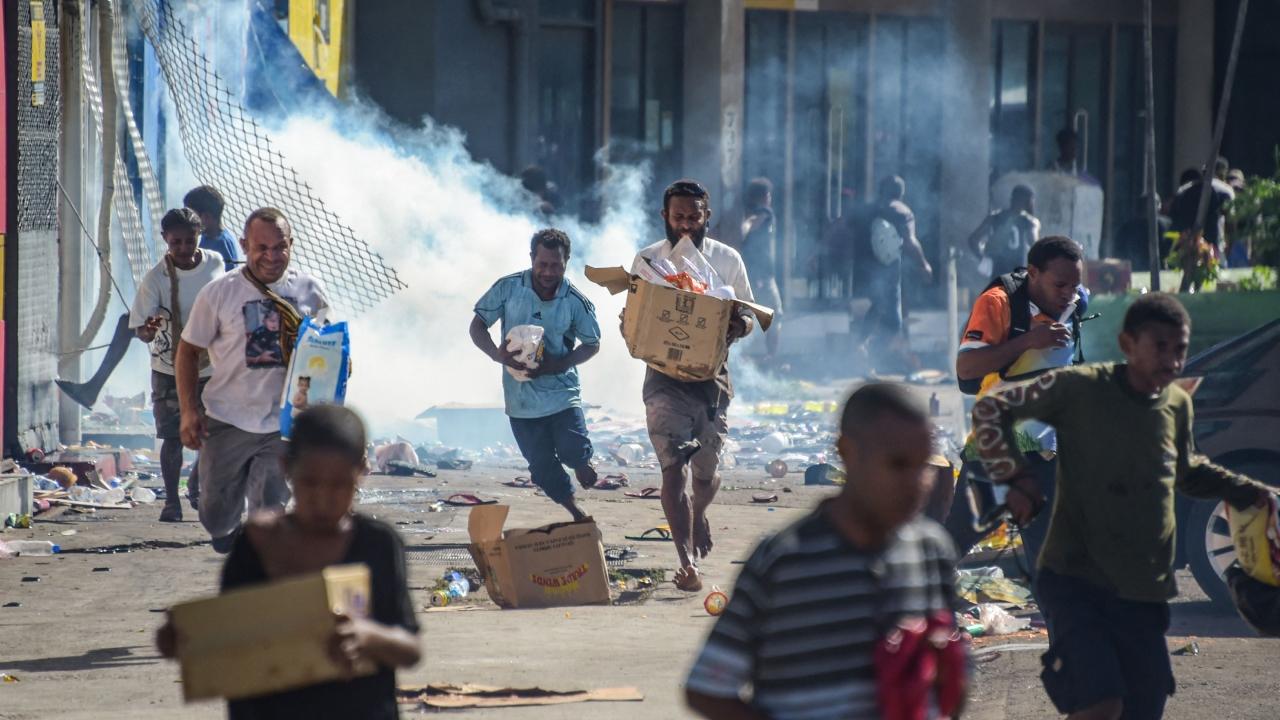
(270, 638)
(677, 333)
(549, 566)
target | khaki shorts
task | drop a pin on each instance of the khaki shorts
(676, 414)
(164, 404)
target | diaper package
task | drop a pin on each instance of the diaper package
(526, 342)
(317, 371)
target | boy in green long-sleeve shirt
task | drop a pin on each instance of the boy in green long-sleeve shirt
(1106, 570)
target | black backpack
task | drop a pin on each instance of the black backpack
(1015, 285)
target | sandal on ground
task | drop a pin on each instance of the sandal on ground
(520, 482)
(612, 482)
(764, 498)
(622, 554)
(649, 493)
(662, 533)
(466, 500)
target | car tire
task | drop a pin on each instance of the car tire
(1209, 549)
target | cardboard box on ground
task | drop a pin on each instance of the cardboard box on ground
(549, 566)
(680, 334)
(268, 638)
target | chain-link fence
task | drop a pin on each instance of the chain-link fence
(38, 120)
(228, 149)
(39, 112)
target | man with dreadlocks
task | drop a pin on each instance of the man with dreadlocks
(248, 322)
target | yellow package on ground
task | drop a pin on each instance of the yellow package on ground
(980, 589)
(1256, 534)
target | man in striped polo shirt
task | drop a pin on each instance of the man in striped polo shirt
(814, 601)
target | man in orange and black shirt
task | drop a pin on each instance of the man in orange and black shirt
(1020, 327)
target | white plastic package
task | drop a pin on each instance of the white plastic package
(683, 267)
(526, 342)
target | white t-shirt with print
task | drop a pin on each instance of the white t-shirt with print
(241, 330)
(154, 297)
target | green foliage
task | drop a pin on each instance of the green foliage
(1262, 278)
(1256, 213)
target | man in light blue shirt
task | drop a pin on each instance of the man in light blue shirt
(545, 410)
(208, 204)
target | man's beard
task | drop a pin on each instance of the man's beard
(696, 236)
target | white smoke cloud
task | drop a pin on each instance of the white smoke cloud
(451, 226)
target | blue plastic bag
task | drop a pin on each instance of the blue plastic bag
(318, 370)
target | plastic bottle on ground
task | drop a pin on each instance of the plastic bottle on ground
(32, 547)
(114, 496)
(143, 495)
(458, 585)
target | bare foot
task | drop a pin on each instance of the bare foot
(701, 537)
(586, 476)
(687, 579)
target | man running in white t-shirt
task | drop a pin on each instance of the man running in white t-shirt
(242, 321)
(688, 421)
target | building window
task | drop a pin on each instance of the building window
(646, 88)
(1048, 77)
(566, 128)
(1012, 106)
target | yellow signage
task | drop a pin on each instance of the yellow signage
(316, 27)
(38, 36)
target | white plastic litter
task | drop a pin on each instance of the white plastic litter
(991, 571)
(997, 621)
(143, 495)
(80, 493)
(114, 496)
(526, 342)
(775, 443)
(631, 452)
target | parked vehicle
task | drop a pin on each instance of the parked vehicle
(1237, 424)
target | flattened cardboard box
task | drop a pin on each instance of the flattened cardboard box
(269, 638)
(680, 334)
(554, 565)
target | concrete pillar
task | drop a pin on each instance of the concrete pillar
(1193, 91)
(71, 242)
(714, 83)
(966, 134)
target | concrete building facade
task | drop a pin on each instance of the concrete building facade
(824, 97)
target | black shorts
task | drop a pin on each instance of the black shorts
(164, 404)
(1102, 647)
